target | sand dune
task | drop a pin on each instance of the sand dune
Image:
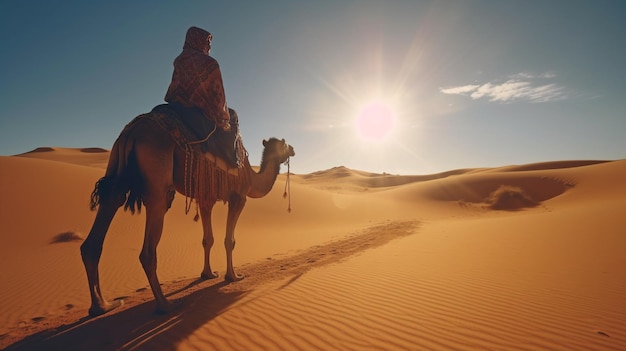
(363, 261)
(93, 156)
(348, 177)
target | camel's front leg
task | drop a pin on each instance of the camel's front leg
(207, 240)
(148, 258)
(91, 250)
(235, 206)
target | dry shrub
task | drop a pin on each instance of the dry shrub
(66, 237)
(91, 150)
(509, 198)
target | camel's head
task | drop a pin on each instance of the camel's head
(277, 149)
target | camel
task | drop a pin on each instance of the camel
(148, 167)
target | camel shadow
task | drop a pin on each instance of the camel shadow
(137, 327)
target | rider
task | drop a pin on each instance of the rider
(197, 92)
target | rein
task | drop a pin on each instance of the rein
(205, 138)
(288, 187)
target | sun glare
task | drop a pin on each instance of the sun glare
(370, 109)
(375, 121)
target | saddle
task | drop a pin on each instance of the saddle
(195, 129)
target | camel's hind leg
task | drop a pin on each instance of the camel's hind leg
(91, 250)
(155, 163)
(148, 256)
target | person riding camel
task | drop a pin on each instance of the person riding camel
(196, 93)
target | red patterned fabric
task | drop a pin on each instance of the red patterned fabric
(197, 79)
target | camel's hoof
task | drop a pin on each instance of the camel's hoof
(233, 277)
(100, 310)
(169, 307)
(213, 275)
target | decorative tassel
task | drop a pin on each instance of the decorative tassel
(288, 187)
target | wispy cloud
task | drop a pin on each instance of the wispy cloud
(462, 90)
(518, 87)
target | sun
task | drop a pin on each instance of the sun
(375, 121)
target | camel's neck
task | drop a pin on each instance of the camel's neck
(261, 183)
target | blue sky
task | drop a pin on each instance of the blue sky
(470, 83)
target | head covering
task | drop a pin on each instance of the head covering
(197, 39)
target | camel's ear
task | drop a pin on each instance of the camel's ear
(283, 140)
(264, 142)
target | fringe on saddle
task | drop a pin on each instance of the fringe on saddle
(207, 178)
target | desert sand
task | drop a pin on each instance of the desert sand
(519, 257)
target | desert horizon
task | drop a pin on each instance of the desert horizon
(400, 175)
(514, 257)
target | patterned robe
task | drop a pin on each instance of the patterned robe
(197, 79)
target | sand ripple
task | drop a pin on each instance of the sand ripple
(360, 305)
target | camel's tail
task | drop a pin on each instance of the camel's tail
(121, 184)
